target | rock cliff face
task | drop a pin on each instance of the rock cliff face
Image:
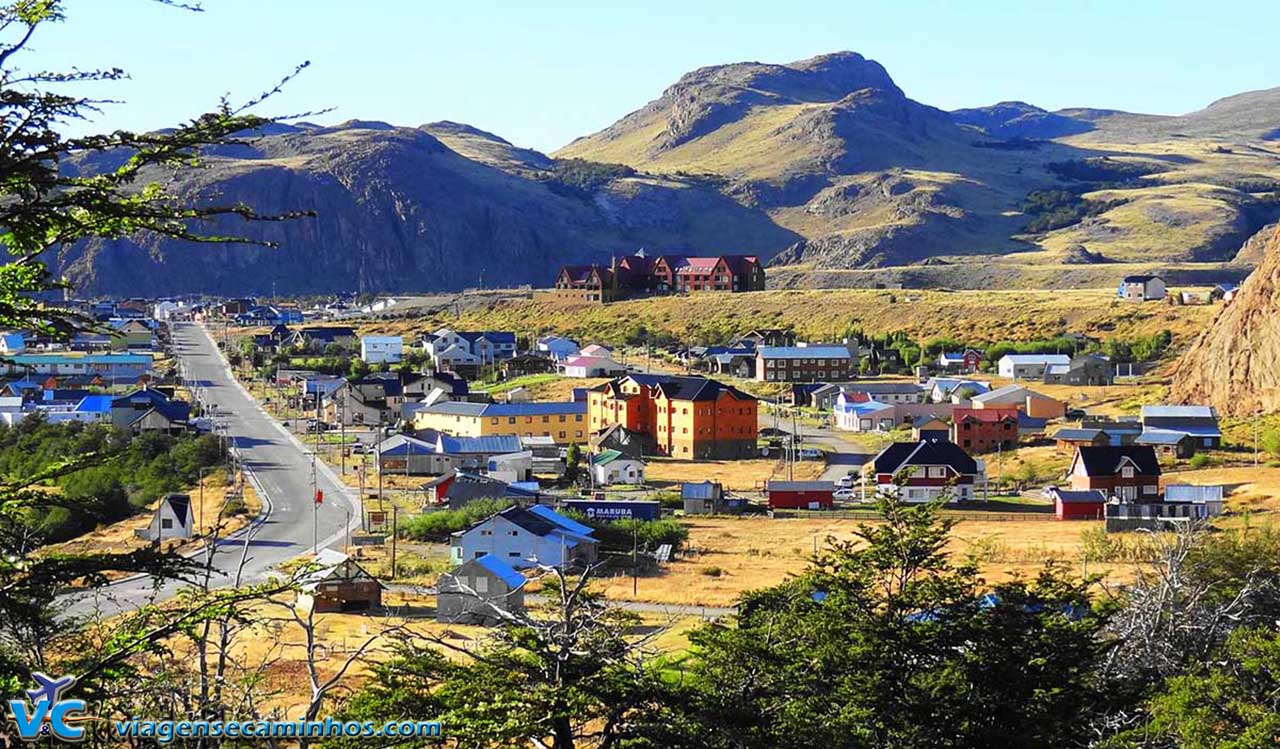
(440, 207)
(1235, 364)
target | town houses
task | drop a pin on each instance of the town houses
(641, 275)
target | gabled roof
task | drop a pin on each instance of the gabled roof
(501, 570)
(605, 457)
(901, 455)
(181, 504)
(1067, 497)
(400, 444)
(1139, 278)
(1107, 460)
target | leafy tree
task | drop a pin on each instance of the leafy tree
(885, 642)
(572, 459)
(574, 676)
(46, 205)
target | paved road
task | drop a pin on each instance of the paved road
(844, 457)
(278, 465)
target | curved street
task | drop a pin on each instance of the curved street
(280, 468)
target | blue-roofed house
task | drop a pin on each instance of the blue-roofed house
(482, 591)
(524, 537)
(149, 410)
(1168, 443)
(410, 456)
(855, 413)
(1199, 422)
(12, 343)
(474, 453)
(557, 347)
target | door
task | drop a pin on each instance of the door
(1127, 493)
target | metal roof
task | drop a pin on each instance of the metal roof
(804, 352)
(1037, 358)
(501, 570)
(1179, 412)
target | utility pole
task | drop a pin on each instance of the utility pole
(635, 560)
(395, 526)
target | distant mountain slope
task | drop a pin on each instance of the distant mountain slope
(1017, 119)
(823, 166)
(444, 206)
(834, 150)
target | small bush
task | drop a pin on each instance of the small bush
(712, 571)
(1200, 460)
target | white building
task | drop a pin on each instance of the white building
(382, 349)
(1029, 366)
(172, 519)
(612, 467)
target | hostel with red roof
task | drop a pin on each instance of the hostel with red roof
(641, 275)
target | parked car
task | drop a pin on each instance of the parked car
(1074, 413)
(810, 453)
(844, 493)
(846, 481)
(316, 427)
(357, 448)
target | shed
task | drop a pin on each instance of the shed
(480, 591)
(172, 519)
(800, 495)
(623, 509)
(339, 583)
(1078, 505)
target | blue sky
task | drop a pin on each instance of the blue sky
(542, 73)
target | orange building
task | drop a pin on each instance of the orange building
(692, 418)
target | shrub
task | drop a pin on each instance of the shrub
(437, 525)
(1200, 460)
(712, 571)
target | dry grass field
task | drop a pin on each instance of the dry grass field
(735, 475)
(979, 316)
(729, 556)
(121, 537)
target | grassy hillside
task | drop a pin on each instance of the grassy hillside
(828, 314)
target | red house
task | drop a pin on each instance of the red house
(800, 495)
(980, 430)
(1131, 472)
(1078, 505)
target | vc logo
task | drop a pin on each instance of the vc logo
(46, 704)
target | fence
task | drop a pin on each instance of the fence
(873, 515)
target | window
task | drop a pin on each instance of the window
(513, 553)
(482, 584)
(493, 421)
(511, 419)
(480, 554)
(513, 533)
(1127, 472)
(937, 472)
(166, 523)
(546, 419)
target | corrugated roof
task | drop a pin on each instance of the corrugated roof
(1179, 412)
(501, 570)
(498, 444)
(1160, 437)
(804, 352)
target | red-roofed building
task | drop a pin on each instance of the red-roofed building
(639, 274)
(984, 430)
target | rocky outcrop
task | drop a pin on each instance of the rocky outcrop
(1254, 248)
(1235, 364)
(1017, 119)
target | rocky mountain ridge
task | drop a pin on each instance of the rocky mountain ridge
(821, 165)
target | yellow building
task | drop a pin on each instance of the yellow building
(565, 422)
